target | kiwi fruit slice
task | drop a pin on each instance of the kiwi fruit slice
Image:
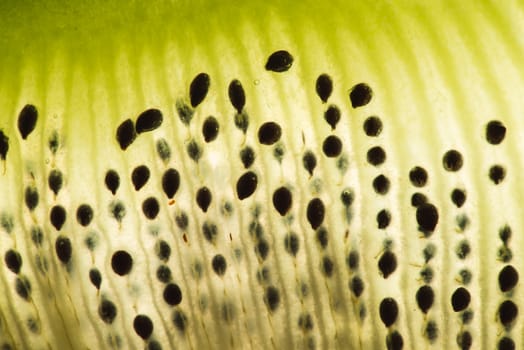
(264, 175)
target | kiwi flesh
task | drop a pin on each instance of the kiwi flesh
(209, 175)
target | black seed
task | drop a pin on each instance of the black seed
(13, 260)
(63, 249)
(150, 208)
(279, 61)
(262, 249)
(353, 260)
(282, 200)
(394, 341)
(27, 120)
(381, 184)
(4, 145)
(182, 221)
(170, 182)
(322, 237)
(57, 216)
(84, 214)
(272, 298)
(269, 133)
(426, 273)
(360, 95)
(376, 156)
(309, 161)
(54, 142)
(210, 231)
(429, 252)
(37, 235)
(315, 212)
(332, 146)
(180, 320)
(425, 298)
(387, 263)
(172, 294)
(194, 151)
(185, 113)
(460, 299)
(383, 218)
(347, 196)
(495, 132)
(373, 126)
(506, 343)
(219, 264)
(458, 197)
(31, 197)
(507, 313)
(210, 129)
(163, 150)
(6, 222)
(356, 285)
(148, 120)
(256, 230)
(125, 134)
(305, 322)
(388, 310)
(163, 274)
(143, 326)
(327, 266)
(23, 287)
(95, 277)
(324, 87)
(508, 278)
(55, 180)
(242, 121)
(118, 210)
(431, 331)
(418, 176)
(237, 95)
(505, 233)
(464, 340)
(91, 240)
(417, 199)
(332, 116)
(246, 185)
(452, 160)
(140, 176)
(465, 276)
(107, 311)
(504, 254)
(198, 89)
(291, 243)
(162, 250)
(427, 217)
(112, 181)
(497, 173)
(121, 262)
(203, 198)
(247, 156)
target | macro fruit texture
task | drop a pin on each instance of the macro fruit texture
(209, 175)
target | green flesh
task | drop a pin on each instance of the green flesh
(439, 74)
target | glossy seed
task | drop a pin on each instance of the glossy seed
(237, 96)
(107, 311)
(4, 145)
(495, 132)
(388, 311)
(508, 278)
(360, 95)
(172, 294)
(425, 298)
(121, 262)
(332, 146)
(148, 120)
(31, 197)
(55, 180)
(418, 176)
(282, 200)
(140, 176)
(427, 217)
(13, 260)
(272, 298)
(63, 249)
(84, 214)
(112, 181)
(57, 216)
(203, 198)
(452, 160)
(27, 120)
(324, 87)
(95, 277)
(460, 299)
(387, 264)
(210, 129)
(376, 155)
(315, 213)
(246, 185)
(150, 208)
(199, 88)
(507, 313)
(170, 182)
(219, 264)
(247, 156)
(269, 133)
(125, 134)
(143, 326)
(309, 161)
(332, 116)
(279, 61)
